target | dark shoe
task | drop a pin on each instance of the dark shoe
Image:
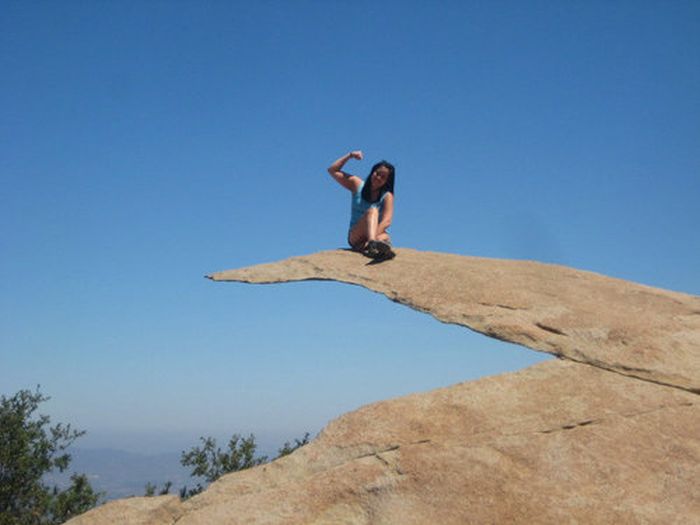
(379, 250)
(370, 250)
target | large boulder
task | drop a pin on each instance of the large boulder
(608, 433)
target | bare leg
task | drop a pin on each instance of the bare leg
(365, 229)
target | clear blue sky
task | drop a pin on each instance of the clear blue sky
(144, 144)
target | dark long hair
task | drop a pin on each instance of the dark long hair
(388, 185)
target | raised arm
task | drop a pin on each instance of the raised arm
(346, 180)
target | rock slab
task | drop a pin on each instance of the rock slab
(608, 433)
(614, 324)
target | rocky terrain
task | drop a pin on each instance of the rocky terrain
(608, 433)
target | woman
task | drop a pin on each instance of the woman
(372, 206)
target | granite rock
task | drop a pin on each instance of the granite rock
(607, 433)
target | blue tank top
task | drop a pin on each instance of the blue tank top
(359, 206)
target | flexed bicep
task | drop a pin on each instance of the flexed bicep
(350, 182)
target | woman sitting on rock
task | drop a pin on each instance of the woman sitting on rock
(372, 206)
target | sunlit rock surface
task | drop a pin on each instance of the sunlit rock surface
(624, 327)
(609, 433)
